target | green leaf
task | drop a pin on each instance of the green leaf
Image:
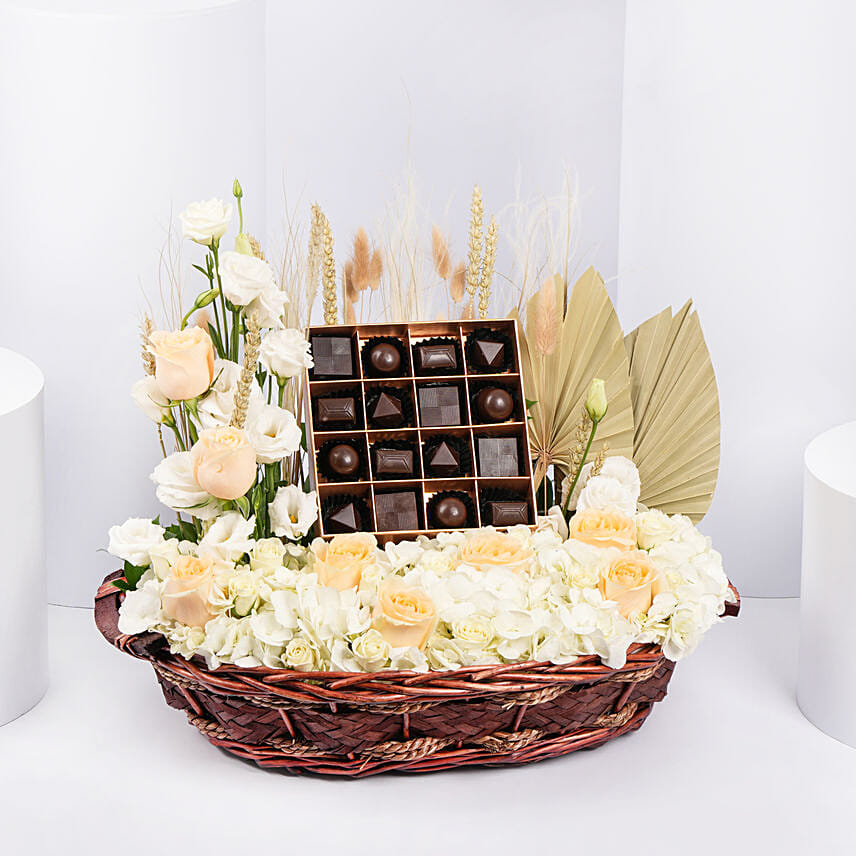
(156, 520)
(187, 530)
(201, 270)
(243, 506)
(531, 402)
(192, 405)
(121, 585)
(133, 574)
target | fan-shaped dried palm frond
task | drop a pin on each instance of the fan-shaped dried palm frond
(589, 344)
(676, 411)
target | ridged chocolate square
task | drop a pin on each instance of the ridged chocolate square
(439, 406)
(440, 357)
(397, 512)
(333, 356)
(393, 462)
(337, 411)
(498, 457)
(508, 512)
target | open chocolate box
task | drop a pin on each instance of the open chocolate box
(418, 428)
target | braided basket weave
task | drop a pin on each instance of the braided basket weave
(359, 724)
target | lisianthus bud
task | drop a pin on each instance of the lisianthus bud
(596, 403)
(237, 191)
(243, 245)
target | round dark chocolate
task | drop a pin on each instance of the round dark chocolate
(494, 404)
(343, 459)
(451, 512)
(385, 358)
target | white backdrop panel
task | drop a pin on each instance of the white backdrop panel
(737, 187)
(112, 113)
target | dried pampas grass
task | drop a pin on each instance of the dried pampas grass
(440, 253)
(362, 260)
(458, 282)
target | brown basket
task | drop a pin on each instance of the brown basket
(359, 724)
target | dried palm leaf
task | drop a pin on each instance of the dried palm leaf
(590, 344)
(676, 411)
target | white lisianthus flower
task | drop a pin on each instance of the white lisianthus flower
(602, 492)
(268, 555)
(553, 522)
(267, 309)
(285, 353)
(216, 407)
(149, 398)
(371, 651)
(273, 433)
(228, 537)
(293, 512)
(134, 540)
(177, 487)
(141, 609)
(299, 655)
(205, 222)
(244, 277)
(654, 528)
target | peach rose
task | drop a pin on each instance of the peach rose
(184, 362)
(340, 563)
(187, 589)
(629, 581)
(224, 462)
(403, 616)
(488, 550)
(604, 528)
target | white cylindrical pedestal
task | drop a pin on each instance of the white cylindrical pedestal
(115, 115)
(23, 630)
(826, 689)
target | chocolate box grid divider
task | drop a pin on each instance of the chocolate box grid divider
(411, 335)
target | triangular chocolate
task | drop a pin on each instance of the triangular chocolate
(387, 411)
(344, 519)
(489, 354)
(444, 461)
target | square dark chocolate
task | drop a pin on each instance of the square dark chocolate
(333, 356)
(397, 512)
(498, 457)
(393, 462)
(439, 406)
(508, 512)
(338, 411)
(440, 357)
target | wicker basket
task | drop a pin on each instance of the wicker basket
(359, 724)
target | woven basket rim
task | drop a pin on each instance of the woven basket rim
(364, 687)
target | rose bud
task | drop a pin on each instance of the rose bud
(224, 462)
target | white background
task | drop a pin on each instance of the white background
(725, 128)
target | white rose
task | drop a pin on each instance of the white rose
(177, 488)
(215, 409)
(371, 651)
(473, 631)
(285, 353)
(228, 537)
(243, 592)
(554, 522)
(205, 222)
(267, 555)
(653, 528)
(243, 277)
(134, 540)
(292, 512)
(299, 655)
(141, 609)
(616, 467)
(603, 492)
(273, 433)
(149, 398)
(438, 562)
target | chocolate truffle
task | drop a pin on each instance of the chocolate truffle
(397, 512)
(333, 356)
(508, 512)
(393, 462)
(494, 404)
(343, 459)
(450, 513)
(436, 357)
(488, 354)
(345, 518)
(387, 411)
(385, 359)
(337, 411)
(498, 457)
(439, 406)
(444, 461)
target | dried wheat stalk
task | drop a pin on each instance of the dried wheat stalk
(252, 342)
(487, 268)
(256, 247)
(146, 329)
(597, 466)
(474, 257)
(329, 275)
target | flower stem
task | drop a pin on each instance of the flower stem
(224, 338)
(579, 471)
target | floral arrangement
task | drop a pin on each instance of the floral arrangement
(238, 578)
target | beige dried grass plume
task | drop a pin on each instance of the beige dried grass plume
(458, 282)
(362, 261)
(440, 253)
